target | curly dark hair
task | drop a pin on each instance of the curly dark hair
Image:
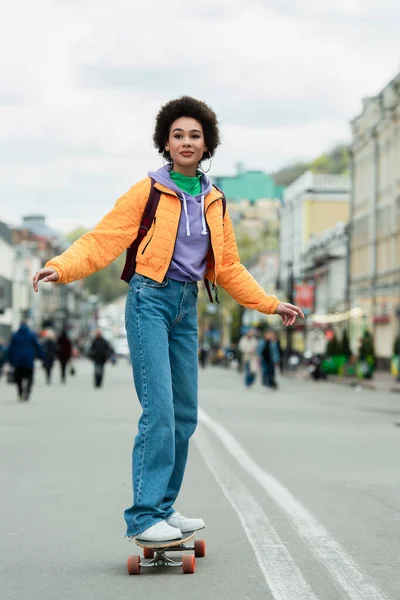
(186, 107)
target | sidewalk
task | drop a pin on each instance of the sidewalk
(382, 381)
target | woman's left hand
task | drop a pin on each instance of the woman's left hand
(288, 313)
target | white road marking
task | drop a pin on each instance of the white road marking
(282, 575)
(341, 567)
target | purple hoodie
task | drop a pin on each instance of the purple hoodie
(193, 240)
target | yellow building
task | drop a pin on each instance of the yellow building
(375, 218)
(311, 205)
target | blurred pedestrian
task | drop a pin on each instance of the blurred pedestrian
(64, 353)
(270, 358)
(49, 347)
(24, 348)
(189, 237)
(203, 354)
(248, 344)
(100, 352)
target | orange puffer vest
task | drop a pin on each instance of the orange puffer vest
(117, 230)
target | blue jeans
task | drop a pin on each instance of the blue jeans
(161, 325)
(249, 376)
(268, 372)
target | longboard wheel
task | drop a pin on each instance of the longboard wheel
(133, 565)
(188, 563)
(199, 548)
(148, 552)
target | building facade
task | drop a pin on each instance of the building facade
(311, 205)
(23, 251)
(6, 278)
(375, 218)
(325, 266)
(249, 185)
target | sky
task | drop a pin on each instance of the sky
(81, 82)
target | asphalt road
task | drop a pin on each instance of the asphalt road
(300, 491)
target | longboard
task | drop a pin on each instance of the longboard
(155, 553)
(146, 544)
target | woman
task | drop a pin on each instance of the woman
(248, 347)
(190, 239)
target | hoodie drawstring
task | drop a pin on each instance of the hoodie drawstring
(185, 208)
(203, 216)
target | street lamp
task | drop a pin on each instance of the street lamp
(290, 290)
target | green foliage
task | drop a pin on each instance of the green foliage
(76, 234)
(335, 161)
(290, 173)
(345, 349)
(367, 346)
(250, 247)
(237, 315)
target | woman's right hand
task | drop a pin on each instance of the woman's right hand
(45, 274)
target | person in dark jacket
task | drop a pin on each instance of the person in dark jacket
(64, 352)
(49, 347)
(22, 351)
(100, 352)
(269, 353)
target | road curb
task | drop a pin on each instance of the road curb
(367, 385)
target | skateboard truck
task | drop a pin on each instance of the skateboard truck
(155, 555)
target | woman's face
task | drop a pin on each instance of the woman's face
(186, 145)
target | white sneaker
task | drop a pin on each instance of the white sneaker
(160, 532)
(184, 524)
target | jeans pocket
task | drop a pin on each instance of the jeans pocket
(151, 283)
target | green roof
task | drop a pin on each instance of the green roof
(249, 185)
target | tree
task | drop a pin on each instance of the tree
(290, 173)
(367, 349)
(346, 350)
(333, 348)
(335, 161)
(76, 234)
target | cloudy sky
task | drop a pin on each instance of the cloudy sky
(81, 82)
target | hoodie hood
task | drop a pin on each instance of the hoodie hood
(163, 176)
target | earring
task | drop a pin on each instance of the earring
(209, 166)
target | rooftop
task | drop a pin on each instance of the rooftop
(317, 183)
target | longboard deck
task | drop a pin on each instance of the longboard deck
(167, 544)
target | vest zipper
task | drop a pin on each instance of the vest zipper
(152, 233)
